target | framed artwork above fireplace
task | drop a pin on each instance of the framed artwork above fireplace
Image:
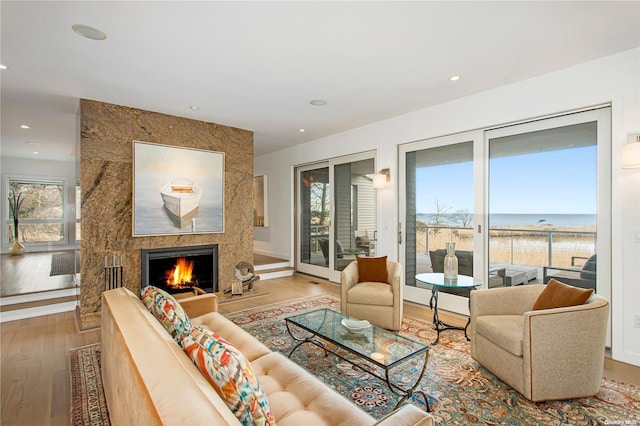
(177, 190)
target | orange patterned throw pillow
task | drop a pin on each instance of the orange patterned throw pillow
(372, 269)
(167, 311)
(230, 374)
(560, 295)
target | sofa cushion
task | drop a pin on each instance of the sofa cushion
(371, 293)
(504, 331)
(166, 310)
(230, 374)
(560, 295)
(372, 269)
(299, 398)
(250, 347)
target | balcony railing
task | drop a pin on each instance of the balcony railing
(536, 247)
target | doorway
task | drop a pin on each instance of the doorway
(336, 214)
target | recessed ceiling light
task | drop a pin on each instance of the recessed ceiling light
(33, 143)
(318, 102)
(24, 126)
(3, 67)
(195, 108)
(88, 32)
(301, 130)
(36, 152)
(454, 78)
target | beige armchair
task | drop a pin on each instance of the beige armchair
(378, 303)
(544, 354)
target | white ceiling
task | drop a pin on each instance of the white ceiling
(256, 65)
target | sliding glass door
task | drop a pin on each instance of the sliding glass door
(438, 203)
(545, 219)
(336, 214)
(314, 218)
(523, 203)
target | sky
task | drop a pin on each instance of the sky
(552, 182)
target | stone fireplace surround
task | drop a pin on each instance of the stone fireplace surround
(105, 166)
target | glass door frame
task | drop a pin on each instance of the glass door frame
(601, 115)
(327, 272)
(446, 301)
(480, 138)
(306, 268)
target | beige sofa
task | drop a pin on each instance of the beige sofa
(149, 380)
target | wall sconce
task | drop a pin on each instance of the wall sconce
(631, 152)
(381, 178)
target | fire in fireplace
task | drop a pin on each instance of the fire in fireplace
(180, 269)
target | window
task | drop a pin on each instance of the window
(41, 215)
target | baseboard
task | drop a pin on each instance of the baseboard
(37, 311)
(271, 254)
(258, 268)
(41, 295)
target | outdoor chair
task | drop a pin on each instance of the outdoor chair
(363, 243)
(343, 258)
(465, 267)
(545, 354)
(578, 276)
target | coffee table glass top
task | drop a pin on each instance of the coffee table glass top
(373, 340)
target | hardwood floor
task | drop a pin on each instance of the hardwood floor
(35, 373)
(34, 352)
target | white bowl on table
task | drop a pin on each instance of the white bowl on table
(355, 326)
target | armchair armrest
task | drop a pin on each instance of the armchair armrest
(348, 278)
(580, 330)
(195, 306)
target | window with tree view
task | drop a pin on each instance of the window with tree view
(41, 213)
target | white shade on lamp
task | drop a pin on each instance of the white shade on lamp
(379, 181)
(631, 155)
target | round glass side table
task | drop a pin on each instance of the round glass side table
(437, 281)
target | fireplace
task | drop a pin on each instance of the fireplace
(179, 269)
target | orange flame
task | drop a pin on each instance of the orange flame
(181, 273)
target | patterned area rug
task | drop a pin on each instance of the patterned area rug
(88, 405)
(460, 391)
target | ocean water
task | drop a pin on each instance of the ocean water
(520, 219)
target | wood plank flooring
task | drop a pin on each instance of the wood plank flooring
(34, 353)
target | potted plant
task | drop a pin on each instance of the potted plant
(15, 202)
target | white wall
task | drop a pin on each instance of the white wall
(613, 79)
(24, 167)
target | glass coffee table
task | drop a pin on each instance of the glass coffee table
(377, 351)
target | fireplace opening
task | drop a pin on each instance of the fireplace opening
(180, 269)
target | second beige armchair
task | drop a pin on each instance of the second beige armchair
(544, 354)
(377, 302)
